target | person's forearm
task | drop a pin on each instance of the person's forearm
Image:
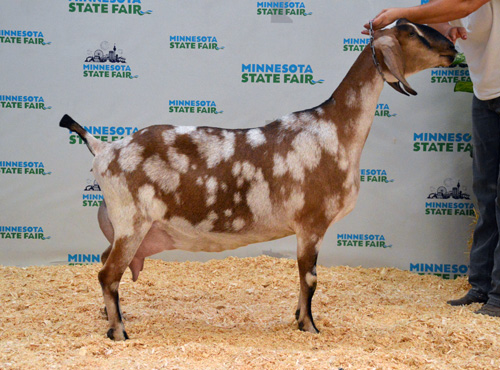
(441, 27)
(436, 11)
(439, 11)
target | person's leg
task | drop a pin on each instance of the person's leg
(486, 142)
(485, 167)
(492, 307)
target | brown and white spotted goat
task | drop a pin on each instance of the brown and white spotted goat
(212, 189)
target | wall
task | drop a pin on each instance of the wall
(414, 205)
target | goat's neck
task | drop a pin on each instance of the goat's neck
(353, 104)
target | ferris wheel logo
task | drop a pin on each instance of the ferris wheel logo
(450, 189)
(106, 53)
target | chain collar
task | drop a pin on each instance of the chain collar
(374, 57)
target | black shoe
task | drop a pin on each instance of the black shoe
(466, 300)
(490, 310)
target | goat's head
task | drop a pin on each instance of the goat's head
(409, 48)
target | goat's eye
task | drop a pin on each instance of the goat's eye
(412, 34)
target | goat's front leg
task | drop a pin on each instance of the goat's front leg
(122, 252)
(307, 254)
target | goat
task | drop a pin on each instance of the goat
(212, 189)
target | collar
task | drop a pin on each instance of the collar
(374, 57)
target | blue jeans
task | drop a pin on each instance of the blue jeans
(484, 272)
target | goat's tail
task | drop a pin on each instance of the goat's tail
(95, 146)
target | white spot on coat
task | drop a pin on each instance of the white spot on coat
(182, 130)
(236, 170)
(325, 133)
(186, 228)
(213, 148)
(169, 137)
(160, 173)
(237, 198)
(258, 195)
(247, 171)
(279, 168)
(212, 185)
(255, 137)
(178, 161)
(311, 280)
(350, 97)
(130, 157)
(306, 117)
(259, 198)
(288, 121)
(332, 206)
(149, 205)
(295, 202)
(238, 224)
(343, 159)
(207, 224)
(306, 154)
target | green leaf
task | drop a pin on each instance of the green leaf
(464, 86)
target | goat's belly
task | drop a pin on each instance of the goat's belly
(158, 240)
(163, 237)
(218, 242)
(212, 242)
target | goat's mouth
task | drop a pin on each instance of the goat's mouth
(450, 58)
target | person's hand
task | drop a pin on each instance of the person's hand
(455, 33)
(383, 19)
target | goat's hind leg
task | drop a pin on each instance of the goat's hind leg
(120, 256)
(307, 254)
(104, 257)
(108, 231)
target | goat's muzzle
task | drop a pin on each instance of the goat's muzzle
(449, 54)
(450, 58)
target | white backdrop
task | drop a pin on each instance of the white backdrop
(119, 65)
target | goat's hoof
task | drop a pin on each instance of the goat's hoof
(297, 315)
(117, 334)
(309, 327)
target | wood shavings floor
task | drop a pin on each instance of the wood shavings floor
(238, 313)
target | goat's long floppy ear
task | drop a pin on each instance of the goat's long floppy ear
(393, 59)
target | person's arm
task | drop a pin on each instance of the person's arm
(437, 11)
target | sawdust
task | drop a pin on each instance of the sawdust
(239, 314)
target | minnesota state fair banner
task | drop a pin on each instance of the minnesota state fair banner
(117, 66)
